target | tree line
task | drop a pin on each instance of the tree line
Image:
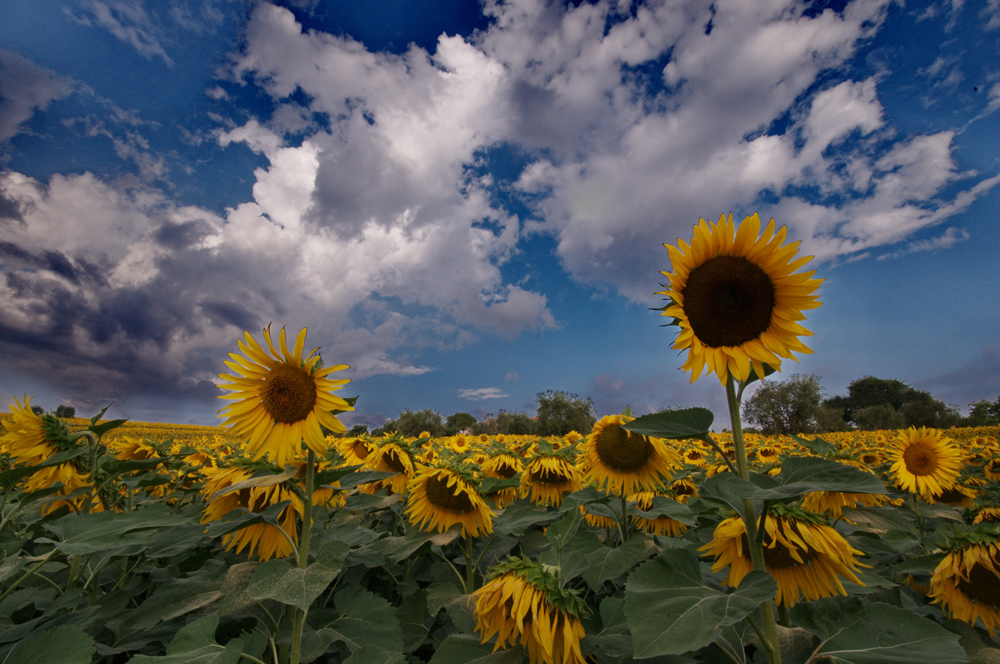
(797, 405)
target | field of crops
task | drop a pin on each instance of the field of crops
(481, 549)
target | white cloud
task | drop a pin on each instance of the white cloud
(946, 240)
(481, 394)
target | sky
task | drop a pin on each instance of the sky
(466, 202)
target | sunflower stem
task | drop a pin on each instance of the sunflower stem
(756, 547)
(298, 626)
(470, 567)
(624, 521)
(920, 521)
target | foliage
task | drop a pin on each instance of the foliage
(508, 423)
(65, 412)
(459, 422)
(561, 412)
(882, 416)
(917, 408)
(413, 423)
(983, 413)
(785, 407)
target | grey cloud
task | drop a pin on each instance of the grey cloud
(24, 88)
(184, 234)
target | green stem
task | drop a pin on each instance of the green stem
(624, 521)
(768, 623)
(27, 574)
(920, 521)
(470, 568)
(298, 626)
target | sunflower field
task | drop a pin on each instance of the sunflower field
(280, 540)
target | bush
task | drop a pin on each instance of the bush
(883, 416)
(561, 412)
(785, 407)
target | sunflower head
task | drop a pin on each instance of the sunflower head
(737, 299)
(967, 580)
(441, 497)
(925, 462)
(619, 461)
(281, 398)
(524, 603)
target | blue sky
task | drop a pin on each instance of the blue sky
(467, 201)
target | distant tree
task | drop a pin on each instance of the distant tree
(38, 410)
(880, 416)
(459, 422)
(65, 412)
(983, 413)
(830, 419)
(785, 407)
(514, 423)
(413, 423)
(872, 391)
(839, 405)
(923, 410)
(560, 412)
(358, 430)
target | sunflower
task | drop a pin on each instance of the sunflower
(524, 604)
(659, 525)
(992, 470)
(502, 466)
(987, 513)
(737, 298)
(440, 497)
(695, 457)
(619, 461)
(767, 454)
(391, 457)
(31, 439)
(354, 450)
(546, 479)
(924, 462)
(264, 538)
(967, 583)
(958, 495)
(281, 398)
(805, 557)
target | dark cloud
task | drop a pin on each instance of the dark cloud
(9, 209)
(183, 235)
(230, 313)
(970, 383)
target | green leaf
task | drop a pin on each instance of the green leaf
(195, 644)
(60, 645)
(852, 632)
(612, 562)
(519, 516)
(365, 620)
(563, 530)
(614, 640)
(104, 427)
(577, 555)
(671, 610)
(817, 445)
(663, 506)
(673, 424)
(363, 477)
(89, 533)
(466, 649)
(171, 600)
(239, 519)
(278, 580)
(375, 655)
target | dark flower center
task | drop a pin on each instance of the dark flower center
(452, 499)
(728, 300)
(547, 476)
(361, 449)
(288, 394)
(920, 459)
(392, 460)
(622, 450)
(983, 585)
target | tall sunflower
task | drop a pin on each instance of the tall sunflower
(805, 557)
(440, 497)
(281, 398)
(524, 604)
(967, 582)
(502, 466)
(619, 461)
(925, 462)
(392, 456)
(737, 298)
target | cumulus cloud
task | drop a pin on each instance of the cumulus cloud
(481, 393)
(370, 222)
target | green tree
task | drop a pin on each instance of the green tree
(65, 412)
(872, 391)
(785, 407)
(561, 412)
(923, 410)
(38, 410)
(413, 423)
(458, 422)
(505, 422)
(983, 413)
(880, 416)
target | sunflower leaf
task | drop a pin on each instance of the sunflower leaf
(89, 533)
(671, 610)
(278, 580)
(673, 424)
(854, 632)
(466, 649)
(817, 445)
(611, 562)
(60, 645)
